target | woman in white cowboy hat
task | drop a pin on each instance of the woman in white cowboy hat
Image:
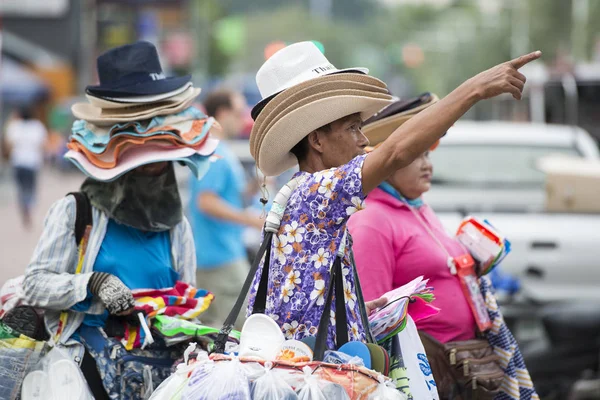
(311, 114)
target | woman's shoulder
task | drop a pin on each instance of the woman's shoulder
(66, 205)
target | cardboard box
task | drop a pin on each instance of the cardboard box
(572, 184)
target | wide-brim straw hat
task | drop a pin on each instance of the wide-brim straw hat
(274, 156)
(105, 117)
(290, 109)
(306, 89)
(380, 126)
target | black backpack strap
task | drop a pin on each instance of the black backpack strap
(83, 215)
(359, 297)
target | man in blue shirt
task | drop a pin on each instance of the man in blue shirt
(217, 213)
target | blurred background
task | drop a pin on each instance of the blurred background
(530, 167)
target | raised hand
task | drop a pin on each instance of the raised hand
(503, 78)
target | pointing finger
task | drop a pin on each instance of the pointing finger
(521, 61)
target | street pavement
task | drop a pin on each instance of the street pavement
(17, 243)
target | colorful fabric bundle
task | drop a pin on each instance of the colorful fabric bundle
(414, 298)
(181, 301)
(105, 152)
(485, 243)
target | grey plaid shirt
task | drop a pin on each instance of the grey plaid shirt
(50, 279)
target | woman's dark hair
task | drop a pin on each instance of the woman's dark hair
(218, 100)
(300, 150)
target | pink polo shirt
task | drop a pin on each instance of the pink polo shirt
(392, 248)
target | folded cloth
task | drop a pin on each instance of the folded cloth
(198, 160)
(181, 124)
(181, 301)
(517, 381)
(109, 158)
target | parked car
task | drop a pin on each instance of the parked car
(488, 169)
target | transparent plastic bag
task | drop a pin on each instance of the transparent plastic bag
(311, 389)
(56, 377)
(387, 391)
(337, 357)
(218, 381)
(269, 387)
(172, 388)
(18, 357)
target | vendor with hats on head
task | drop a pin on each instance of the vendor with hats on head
(311, 115)
(136, 124)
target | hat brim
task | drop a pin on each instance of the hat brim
(124, 102)
(140, 89)
(265, 128)
(261, 104)
(103, 117)
(143, 155)
(274, 155)
(308, 88)
(380, 130)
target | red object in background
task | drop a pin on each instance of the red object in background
(178, 49)
(273, 48)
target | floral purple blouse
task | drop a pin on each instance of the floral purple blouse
(304, 249)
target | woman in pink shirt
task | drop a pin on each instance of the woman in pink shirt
(398, 238)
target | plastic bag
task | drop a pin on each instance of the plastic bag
(11, 294)
(172, 388)
(421, 381)
(218, 380)
(269, 387)
(386, 391)
(18, 357)
(56, 377)
(311, 390)
(337, 357)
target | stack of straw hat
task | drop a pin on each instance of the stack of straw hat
(137, 116)
(302, 91)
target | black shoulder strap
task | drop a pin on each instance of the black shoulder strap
(83, 216)
(359, 296)
(260, 299)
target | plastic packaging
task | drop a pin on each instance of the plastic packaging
(18, 357)
(386, 391)
(218, 381)
(337, 357)
(311, 390)
(268, 387)
(172, 388)
(56, 377)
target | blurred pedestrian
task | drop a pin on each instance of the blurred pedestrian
(217, 212)
(26, 138)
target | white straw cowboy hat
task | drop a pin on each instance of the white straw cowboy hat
(385, 122)
(304, 64)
